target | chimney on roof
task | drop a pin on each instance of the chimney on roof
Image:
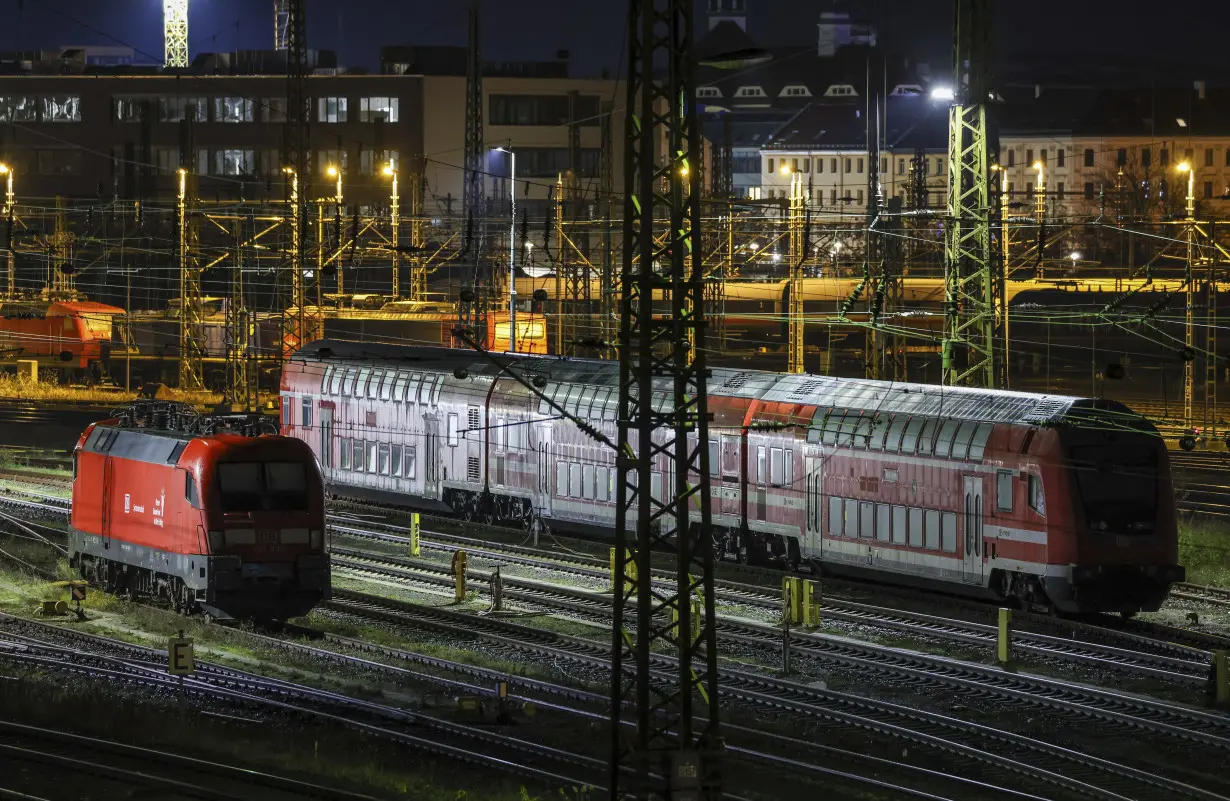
(1199, 86)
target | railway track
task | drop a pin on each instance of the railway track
(65, 761)
(546, 697)
(993, 750)
(420, 732)
(1154, 659)
(1211, 730)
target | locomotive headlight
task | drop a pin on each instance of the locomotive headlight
(314, 538)
(216, 542)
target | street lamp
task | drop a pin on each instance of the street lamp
(1075, 256)
(512, 247)
(395, 214)
(1191, 189)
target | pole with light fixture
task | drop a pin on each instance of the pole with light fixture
(10, 207)
(1040, 213)
(395, 220)
(1189, 283)
(191, 324)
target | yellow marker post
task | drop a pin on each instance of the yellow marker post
(180, 659)
(811, 604)
(787, 599)
(1221, 675)
(459, 571)
(630, 578)
(1004, 644)
(415, 551)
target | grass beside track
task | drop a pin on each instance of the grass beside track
(12, 388)
(1204, 549)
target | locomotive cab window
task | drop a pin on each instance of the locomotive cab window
(267, 486)
(1003, 490)
(190, 491)
(1037, 500)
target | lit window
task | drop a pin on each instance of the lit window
(232, 109)
(62, 108)
(234, 162)
(331, 109)
(378, 109)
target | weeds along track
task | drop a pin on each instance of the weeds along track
(55, 648)
(986, 751)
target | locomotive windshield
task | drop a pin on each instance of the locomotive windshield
(1117, 470)
(263, 486)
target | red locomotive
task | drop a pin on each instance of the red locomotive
(1055, 501)
(206, 513)
(71, 338)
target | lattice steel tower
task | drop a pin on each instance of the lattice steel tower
(473, 202)
(663, 430)
(175, 33)
(281, 24)
(968, 355)
(299, 322)
(191, 313)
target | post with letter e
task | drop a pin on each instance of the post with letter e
(180, 659)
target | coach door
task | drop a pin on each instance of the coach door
(326, 440)
(546, 475)
(814, 507)
(108, 482)
(973, 523)
(431, 456)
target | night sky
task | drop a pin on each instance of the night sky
(1183, 31)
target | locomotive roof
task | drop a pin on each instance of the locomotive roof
(962, 403)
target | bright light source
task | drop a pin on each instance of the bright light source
(331, 172)
(529, 245)
(1075, 256)
(785, 170)
(836, 247)
(942, 93)
(777, 257)
(1183, 166)
(388, 169)
(683, 170)
(1182, 122)
(1038, 165)
(753, 247)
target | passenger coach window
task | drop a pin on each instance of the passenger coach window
(345, 453)
(960, 447)
(335, 380)
(834, 517)
(916, 527)
(895, 430)
(286, 413)
(307, 413)
(933, 529)
(851, 518)
(943, 445)
(949, 531)
(879, 428)
(926, 438)
(1037, 501)
(866, 519)
(899, 525)
(910, 443)
(884, 518)
(1003, 490)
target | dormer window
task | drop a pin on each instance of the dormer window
(841, 90)
(795, 90)
(750, 91)
(708, 91)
